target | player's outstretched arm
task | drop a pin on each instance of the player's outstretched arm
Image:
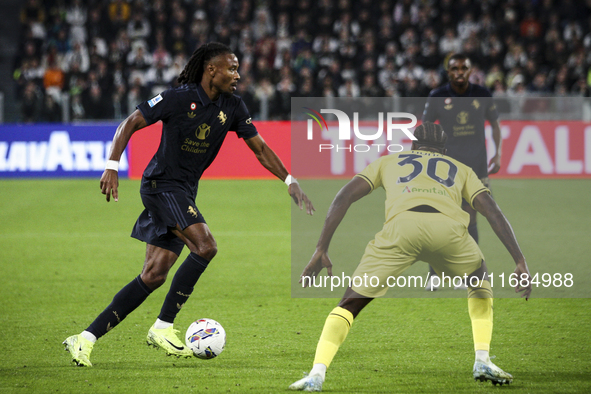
(351, 192)
(501, 226)
(269, 159)
(494, 165)
(110, 178)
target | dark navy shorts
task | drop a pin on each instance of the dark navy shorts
(163, 212)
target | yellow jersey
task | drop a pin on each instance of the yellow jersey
(420, 177)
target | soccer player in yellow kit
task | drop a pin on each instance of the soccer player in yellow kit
(424, 221)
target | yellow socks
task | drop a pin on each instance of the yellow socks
(480, 307)
(335, 331)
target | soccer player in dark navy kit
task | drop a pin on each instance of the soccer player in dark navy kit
(462, 108)
(196, 117)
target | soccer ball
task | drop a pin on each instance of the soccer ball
(206, 338)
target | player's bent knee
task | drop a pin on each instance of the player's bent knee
(154, 279)
(354, 302)
(207, 249)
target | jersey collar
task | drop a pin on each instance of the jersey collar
(204, 98)
(452, 92)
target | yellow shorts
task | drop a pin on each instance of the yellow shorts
(430, 237)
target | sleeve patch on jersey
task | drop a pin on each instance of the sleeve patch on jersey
(152, 102)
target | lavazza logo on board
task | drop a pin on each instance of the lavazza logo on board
(52, 152)
(345, 126)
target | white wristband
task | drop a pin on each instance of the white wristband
(289, 180)
(112, 165)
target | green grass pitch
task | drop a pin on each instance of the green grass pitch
(64, 253)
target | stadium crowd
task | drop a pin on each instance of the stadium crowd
(109, 55)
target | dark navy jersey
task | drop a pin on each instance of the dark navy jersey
(193, 130)
(462, 118)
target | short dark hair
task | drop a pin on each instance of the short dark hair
(430, 135)
(457, 56)
(193, 71)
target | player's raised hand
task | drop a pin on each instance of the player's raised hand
(525, 290)
(300, 198)
(494, 165)
(109, 184)
(318, 261)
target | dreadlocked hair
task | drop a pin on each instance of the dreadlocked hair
(431, 135)
(193, 71)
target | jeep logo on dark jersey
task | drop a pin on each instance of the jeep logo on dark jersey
(202, 131)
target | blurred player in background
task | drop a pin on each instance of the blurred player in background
(424, 191)
(462, 108)
(196, 117)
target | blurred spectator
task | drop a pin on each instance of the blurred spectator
(265, 49)
(305, 59)
(349, 89)
(136, 94)
(449, 43)
(487, 25)
(477, 75)
(120, 109)
(369, 86)
(177, 43)
(76, 17)
(104, 78)
(515, 57)
(96, 26)
(306, 88)
(388, 75)
(539, 84)
(119, 13)
(411, 88)
(333, 74)
(498, 89)
(572, 32)
(495, 74)
(284, 32)
(517, 88)
(558, 55)
(346, 25)
(51, 111)
(33, 16)
(96, 106)
(492, 49)
(285, 89)
(262, 25)
(155, 78)
(390, 54)
(61, 41)
(178, 63)
(53, 79)
(530, 27)
(301, 40)
(31, 103)
(432, 80)
(76, 107)
(246, 91)
(406, 9)
(467, 26)
(78, 55)
(139, 58)
(265, 91)
(411, 70)
(138, 27)
(327, 88)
